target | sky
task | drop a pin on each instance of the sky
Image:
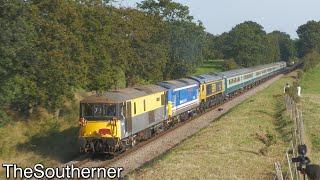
(220, 16)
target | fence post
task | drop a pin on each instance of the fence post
(289, 164)
(295, 115)
(279, 175)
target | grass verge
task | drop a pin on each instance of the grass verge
(310, 104)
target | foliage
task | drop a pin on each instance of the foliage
(310, 60)
(49, 49)
(309, 38)
(184, 39)
(230, 64)
(210, 51)
(17, 59)
(248, 44)
(285, 45)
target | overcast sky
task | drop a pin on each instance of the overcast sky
(220, 16)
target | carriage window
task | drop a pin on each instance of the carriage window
(144, 105)
(135, 108)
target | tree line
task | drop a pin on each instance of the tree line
(50, 49)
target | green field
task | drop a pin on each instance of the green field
(310, 105)
(243, 144)
(210, 66)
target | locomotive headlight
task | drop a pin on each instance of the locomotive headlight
(82, 122)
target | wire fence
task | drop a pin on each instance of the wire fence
(295, 116)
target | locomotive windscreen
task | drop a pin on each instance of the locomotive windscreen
(92, 111)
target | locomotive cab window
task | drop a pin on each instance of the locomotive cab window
(92, 111)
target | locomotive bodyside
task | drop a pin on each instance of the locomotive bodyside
(110, 121)
(211, 89)
(183, 95)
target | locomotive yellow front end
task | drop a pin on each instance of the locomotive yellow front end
(100, 126)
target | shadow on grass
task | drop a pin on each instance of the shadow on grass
(61, 146)
(249, 151)
(270, 114)
(283, 124)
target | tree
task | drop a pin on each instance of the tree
(146, 46)
(61, 58)
(210, 51)
(167, 9)
(273, 49)
(285, 43)
(184, 38)
(248, 44)
(17, 57)
(309, 38)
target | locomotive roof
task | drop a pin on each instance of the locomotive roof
(173, 84)
(204, 78)
(122, 95)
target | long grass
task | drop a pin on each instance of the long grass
(41, 138)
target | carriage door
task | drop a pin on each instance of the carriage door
(128, 116)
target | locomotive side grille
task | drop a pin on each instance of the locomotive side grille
(151, 117)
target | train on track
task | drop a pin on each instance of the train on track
(112, 121)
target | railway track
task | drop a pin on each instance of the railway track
(164, 141)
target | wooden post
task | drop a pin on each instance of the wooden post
(295, 154)
(289, 164)
(279, 175)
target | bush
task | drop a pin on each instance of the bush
(230, 64)
(300, 74)
(311, 60)
(4, 118)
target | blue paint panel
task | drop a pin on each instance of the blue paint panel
(184, 96)
(170, 95)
